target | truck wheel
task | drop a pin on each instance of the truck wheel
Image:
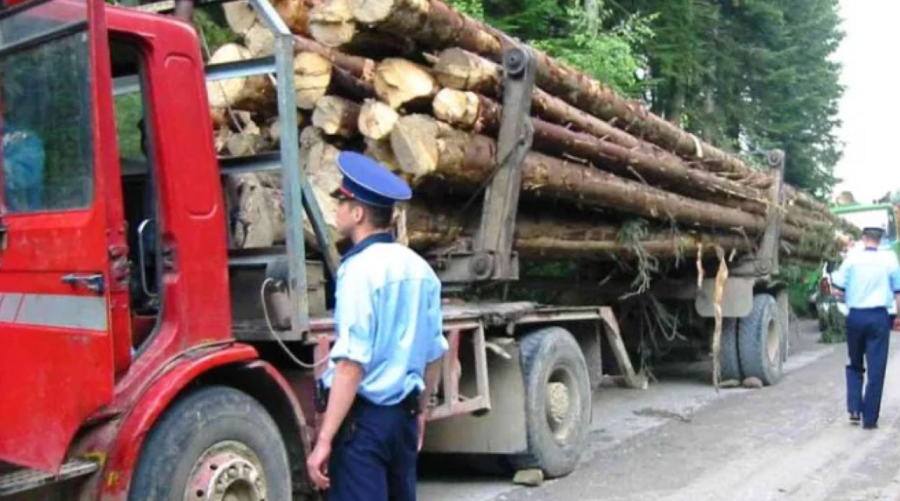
(730, 364)
(759, 341)
(215, 444)
(557, 401)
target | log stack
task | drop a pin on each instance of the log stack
(418, 86)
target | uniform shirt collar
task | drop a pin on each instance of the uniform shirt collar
(376, 238)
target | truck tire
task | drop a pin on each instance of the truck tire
(760, 341)
(557, 402)
(730, 364)
(214, 444)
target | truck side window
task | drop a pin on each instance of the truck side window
(45, 124)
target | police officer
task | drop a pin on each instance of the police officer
(870, 281)
(385, 361)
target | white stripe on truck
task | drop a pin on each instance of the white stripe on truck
(54, 310)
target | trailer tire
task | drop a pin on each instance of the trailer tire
(760, 341)
(214, 438)
(553, 365)
(729, 361)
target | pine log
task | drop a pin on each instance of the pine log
(399, 81)
(312, 76)
(337, 116)
(260, 40)
(295, 14)
(376, 119)
(476, 113)
(347, 85)
(332, 23)
(426, 147)
(381, 151)
(240, 16)
(359, 67)
(436, 24)
(560, 238)
(226, 93)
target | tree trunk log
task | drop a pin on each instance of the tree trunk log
(376, 119)
(312, 77)
(336, 116)
(557, 238)
(332, 23)
(359, 67)
(399, 82)
(476, 113)
(436, 24)
(425, 147)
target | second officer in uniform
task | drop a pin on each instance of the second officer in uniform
(386, 357)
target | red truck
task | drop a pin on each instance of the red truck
(138, 359)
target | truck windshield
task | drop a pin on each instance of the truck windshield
(45, 108)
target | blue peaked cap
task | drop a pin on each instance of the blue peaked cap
(369, 182)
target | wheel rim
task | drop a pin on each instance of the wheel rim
(773, 344)
(227, 471)
(562, 405)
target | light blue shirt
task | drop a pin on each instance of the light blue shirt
(869, 278)
(388, 319)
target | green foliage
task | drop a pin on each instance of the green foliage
(213, 28)
(473, 8)
(833, 326)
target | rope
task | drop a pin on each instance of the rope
(274, 333)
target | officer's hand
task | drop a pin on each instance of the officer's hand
(421, 420)
(317, 466)
(897, 323)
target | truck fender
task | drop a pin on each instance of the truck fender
(223, 366)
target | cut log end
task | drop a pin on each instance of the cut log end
(382, 152)
(398, 82)
(376, 119)
(459, 69)
(332, 23)
(224, 93)
(240, 16)
(259, 40)
(312, 75)
(372, 11)
(457, 108)
(414, 142)
(336, 116)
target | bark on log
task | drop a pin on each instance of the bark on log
(376, 119)
(476, 113)
(559, 238)
(336, 116)
(436, 24)
(347, 85)
(332, 23)
(398, 82)
(312, 76)
(425, 147)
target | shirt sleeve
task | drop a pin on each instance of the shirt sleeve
(895, 276)
(439, 345)
(355, 320)
(839, 278)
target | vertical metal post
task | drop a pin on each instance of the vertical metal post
(293, 172)
(771, 241)
(493, 245)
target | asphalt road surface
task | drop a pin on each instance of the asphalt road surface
(680, 440)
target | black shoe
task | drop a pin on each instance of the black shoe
(854, 418)
(870, 427)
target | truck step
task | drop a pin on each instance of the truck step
(27, 479)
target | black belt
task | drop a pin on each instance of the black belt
(409, 403)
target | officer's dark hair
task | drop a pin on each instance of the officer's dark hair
(873, 234)
(379, 217)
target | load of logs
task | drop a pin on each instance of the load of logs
(418, 86)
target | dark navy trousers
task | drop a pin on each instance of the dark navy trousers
(374, 455)
(868, 338)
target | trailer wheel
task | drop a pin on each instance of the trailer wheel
(730, 365)
(215, 444)
(557, 401)
(760, 341)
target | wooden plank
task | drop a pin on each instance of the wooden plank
(614, 335)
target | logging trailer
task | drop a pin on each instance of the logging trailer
(141, 359)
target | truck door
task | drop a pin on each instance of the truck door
(59, 233)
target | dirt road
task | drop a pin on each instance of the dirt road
(682, 441)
